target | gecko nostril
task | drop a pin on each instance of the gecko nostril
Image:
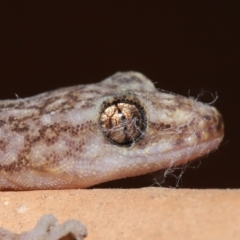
(122, 121)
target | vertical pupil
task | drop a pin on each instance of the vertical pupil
(123, 120)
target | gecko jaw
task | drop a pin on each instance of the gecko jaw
(186, 154)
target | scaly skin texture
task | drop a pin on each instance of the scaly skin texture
(55, 140)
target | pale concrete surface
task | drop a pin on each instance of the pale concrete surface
(147, 213)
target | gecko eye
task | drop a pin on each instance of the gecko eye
(122, 122)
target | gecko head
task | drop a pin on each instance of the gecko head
(87, 134)
(145, 130)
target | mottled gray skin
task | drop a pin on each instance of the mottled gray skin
(54, 141)
(48, 228)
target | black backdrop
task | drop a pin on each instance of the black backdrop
(185, 46)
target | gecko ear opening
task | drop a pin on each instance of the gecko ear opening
(122, 120)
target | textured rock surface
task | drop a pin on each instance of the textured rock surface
(147, 213)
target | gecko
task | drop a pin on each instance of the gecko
(80, 136)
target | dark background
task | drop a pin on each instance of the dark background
(185, 46)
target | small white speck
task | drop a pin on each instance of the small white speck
(22, 209)
(16, 95)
